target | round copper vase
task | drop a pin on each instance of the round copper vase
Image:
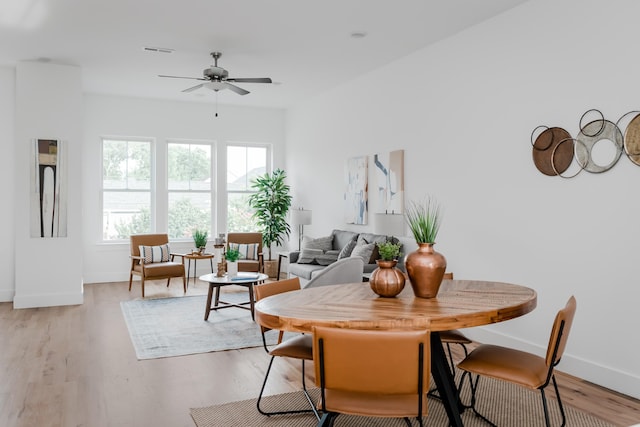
(386, 280)
(425, 268)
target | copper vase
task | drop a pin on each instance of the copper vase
(425, 268)
(386, 280)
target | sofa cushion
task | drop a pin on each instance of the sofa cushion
(364, 251)
(153, 254)
(247, 250)
(341, 238)
(304, 271)
(327, 258)
(345, 252)
(322, 243)
(309, 256)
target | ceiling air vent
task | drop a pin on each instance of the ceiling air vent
(157, 49)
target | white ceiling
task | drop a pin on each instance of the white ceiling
(304, 46)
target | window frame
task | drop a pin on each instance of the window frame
(152, 181)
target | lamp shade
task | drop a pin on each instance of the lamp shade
(301, 217)
(389, 224)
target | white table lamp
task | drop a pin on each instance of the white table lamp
(300, 217)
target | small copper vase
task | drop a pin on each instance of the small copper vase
(425, 268)
(386, 280)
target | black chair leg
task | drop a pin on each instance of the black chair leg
(327, 419)
(545, 405)
(472, 405)
(295, 411)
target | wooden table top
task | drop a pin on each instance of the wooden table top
(459, 304)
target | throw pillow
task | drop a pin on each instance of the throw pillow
(363, 251)
(247, 250)
(153, 254)
(309, 256)
(327, 258)
(322, 243)
(348, 248)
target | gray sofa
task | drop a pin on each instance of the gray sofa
(335, 246)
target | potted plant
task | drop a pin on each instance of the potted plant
(200, 239)
(232, 257)
(425, 266)
(386, 280)
(271, 202)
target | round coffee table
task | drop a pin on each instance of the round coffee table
(243, 279)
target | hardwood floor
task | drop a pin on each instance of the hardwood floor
(75, 366)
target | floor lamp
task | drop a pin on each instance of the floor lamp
(389, 224)
(300, 217)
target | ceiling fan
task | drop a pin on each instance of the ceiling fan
(217, 78)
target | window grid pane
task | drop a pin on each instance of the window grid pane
(126, 182)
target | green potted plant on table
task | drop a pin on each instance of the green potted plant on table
(386, 280)
(425, 266)
(200, 239)
(271, 202)
(232, 256)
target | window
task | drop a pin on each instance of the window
(189, 185)
(126, 188)
(244, 163)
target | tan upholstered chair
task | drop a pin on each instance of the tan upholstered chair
(521, 368)
(372, 373)
(155, 270)
(298, 347)
(253, 265)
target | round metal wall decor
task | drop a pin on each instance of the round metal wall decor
(592, 133)
(550, 155)
(554, 150)
(632, 140)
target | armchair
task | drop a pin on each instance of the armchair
(250, 247)
(156, 262)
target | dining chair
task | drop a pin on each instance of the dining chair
(522, 368)
(346, 270)
(151, 259)
(298, 347)
(373, 373)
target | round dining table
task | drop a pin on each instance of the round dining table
(459, 304)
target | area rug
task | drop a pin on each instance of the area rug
(167, 327)
(505, 404)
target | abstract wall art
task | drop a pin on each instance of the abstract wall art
(389, 171)
(355, 195)
(48, 189)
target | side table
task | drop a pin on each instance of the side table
(195, 257)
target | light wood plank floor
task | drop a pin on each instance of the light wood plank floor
(75, 366)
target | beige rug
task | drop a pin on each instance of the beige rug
(505, 404)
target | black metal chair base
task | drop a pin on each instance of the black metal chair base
(294, 411)
(472, 405)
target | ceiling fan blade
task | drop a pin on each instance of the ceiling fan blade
(236, 89)
(251, 80)
(196, 87)
(180, 77)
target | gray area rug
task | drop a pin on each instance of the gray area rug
(505, 404)
(167, 327)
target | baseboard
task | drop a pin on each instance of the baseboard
(46, 300)
(6, 295)
(605, 376)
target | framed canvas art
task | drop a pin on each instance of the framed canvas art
(48, 189)
(389, 171)
(355, 195)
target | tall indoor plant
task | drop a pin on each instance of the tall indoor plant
(425, 267)
(271, 202)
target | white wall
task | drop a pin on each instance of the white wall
(161, 120)
(463, 111)
(48, 271)
(7, 137)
